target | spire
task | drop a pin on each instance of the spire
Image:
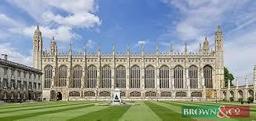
(98, 50)
(157, 48)
(53, 40)
(171, 47)
(186, 48)
(206, 45)
(205, 39)
(53, 46)
(37, 31)
(128, 49)
(70, 47)
(218, 29)
(142, 48)
(113, 47)
(85, 51)
(200, 47)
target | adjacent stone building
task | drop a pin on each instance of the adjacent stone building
(19, 82)
(140, 76)
(240, 92)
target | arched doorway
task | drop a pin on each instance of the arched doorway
(59, 96)
(232, 96)
(53, 95)
(250, 93)
(240, 94)
(224, 95)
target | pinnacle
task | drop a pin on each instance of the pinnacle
(218, 28)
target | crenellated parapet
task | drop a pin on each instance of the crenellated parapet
(47, 53)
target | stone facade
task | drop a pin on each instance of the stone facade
(18, 82)
(140, 76)
(242, 92)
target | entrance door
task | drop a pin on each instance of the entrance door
(59, 96)
(53, 95)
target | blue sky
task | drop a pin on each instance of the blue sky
(100, 23)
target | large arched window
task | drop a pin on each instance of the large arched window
(62, 76)
(77, 75)
(178, 77)
(149, 77)
(120, 77)
(208, 76)
(164, 76)
(193, 76)
(47, 76)
(105, 77)
(91, 77)
(135, 77)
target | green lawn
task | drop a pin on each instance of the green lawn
(99, 111)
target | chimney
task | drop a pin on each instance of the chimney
(5, 56)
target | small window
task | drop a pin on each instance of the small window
(18, 73)
(25, 74)
(12, 72)
(5, 70)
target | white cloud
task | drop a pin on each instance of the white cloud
(6, 22)
(14, 54)
(80, 13)
(200, 18)
(141, 42)
(77, 14)
(33, 7)
(90, 44)
(62, 33)
(10, 27)
(240, 54)
(77, 20)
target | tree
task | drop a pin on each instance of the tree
(228, 77)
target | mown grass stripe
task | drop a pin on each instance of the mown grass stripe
(17, 117)
(174, 103)
(139, 112)
(37, 107)
(34, 104)
(63, 116)
(112, 113)
(166, 114)
(19, 105)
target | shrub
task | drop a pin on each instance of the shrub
(250, 99)
(231, 99)
(240, 100)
